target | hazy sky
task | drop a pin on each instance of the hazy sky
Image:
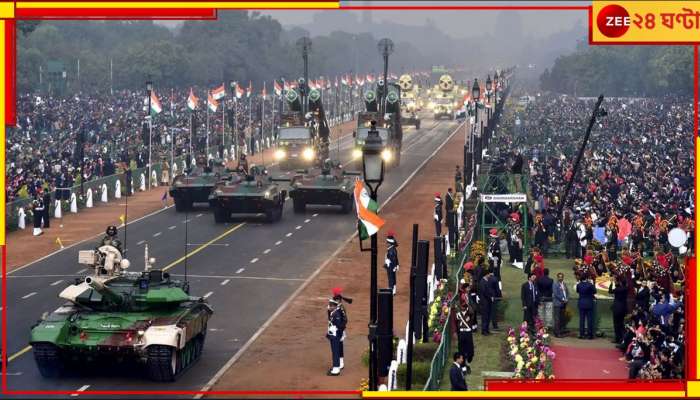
(456, 23)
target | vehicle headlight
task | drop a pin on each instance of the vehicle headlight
(280, 154)
(267, 194)
(387, 155)
(356, 154)
(219, 191)
(308, 153)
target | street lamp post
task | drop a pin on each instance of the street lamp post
(149, 90)
(489, 113)
(476, 149)
(373, 173)
(304, 44)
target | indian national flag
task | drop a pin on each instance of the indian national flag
(344, 80)
(219, 92)
(156, 108)
(370, 78)
(212, 103)
(366, 212)
(278, 88)
(239, 91)
(264, 92)
(192, 101)
(249, 91)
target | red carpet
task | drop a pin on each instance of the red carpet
(586, 363)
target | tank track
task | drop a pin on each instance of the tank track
(48, 360)
(159, 363)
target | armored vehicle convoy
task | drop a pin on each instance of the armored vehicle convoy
(196, 186)
(410, 101)
(114, 315)
(328, 185)
(444, 99)
(248, 193)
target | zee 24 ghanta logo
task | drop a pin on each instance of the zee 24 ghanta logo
(613, 21)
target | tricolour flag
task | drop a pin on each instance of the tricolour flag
(219, 92)
(366, 212)
(249, 91)
(192, 101)
(344, 80)
(370, 78)
(156, 108)
(239, 91)
(286, 85)
(264, 92)
(212, 103)
(278, 88)
(312, 84)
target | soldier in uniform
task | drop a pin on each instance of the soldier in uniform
(466, 324)
(38, 211)
(458, 179)
(46, 215)
(243, 164)
(450, 214)
(391, 263)
(573, 250)
(437, 216)
(110, 238)
(611, 234)
(337, 321)
(494, 253)
(515, 235)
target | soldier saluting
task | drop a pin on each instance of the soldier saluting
(391, 263)
(337, 321)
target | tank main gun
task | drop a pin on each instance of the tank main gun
(106, 293)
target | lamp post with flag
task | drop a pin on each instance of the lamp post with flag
(373, 173)
(149, 95)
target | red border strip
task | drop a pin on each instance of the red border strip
(438, 8)
(108, 14)
(585, 385)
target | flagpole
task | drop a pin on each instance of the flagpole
(207, 140)
(250, 118)
(262, 120)
(223, 121)
(272, 131)
(235, 125)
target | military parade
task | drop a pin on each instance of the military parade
(178, 228)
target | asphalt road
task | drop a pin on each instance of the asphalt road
(246, 269)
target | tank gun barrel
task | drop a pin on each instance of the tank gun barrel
(103, 290)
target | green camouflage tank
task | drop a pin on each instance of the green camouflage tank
(196, 186)
(328, 185)
(115, 315)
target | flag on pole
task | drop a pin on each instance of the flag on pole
(264, 92)
(312, 84)
(336, 81)
(360, 80)
(366, 212)
(370, 78)
(219, 92)
(192, 101)
(278, 88)
(249, 91)
(286, 85)
(156, 108)
(344, 80)
(239, 91)
(212, 103)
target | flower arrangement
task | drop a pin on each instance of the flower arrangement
(530, 355)
(439, 310)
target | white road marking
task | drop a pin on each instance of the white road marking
(29, 295)
(267, 251)
(253, 261)
(186, 221)
(57, 282)
(298, 227)
(199, 215)
(306, 221)
(14, 373)
(224, 283)
(315, 215)
(172, 227)
(81, 389)
(140, 243)
(289, 234)
(277, 243)
(208, 294)
(236, 277)
(157, 234)
(81, 271)
(240, 270)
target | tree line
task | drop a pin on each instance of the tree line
(637, 71)
(239, 45)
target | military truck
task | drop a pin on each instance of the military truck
(410, 101)
(327, 185)
(443, 100)
(251, 193)
(115, 316)
(388, 125)
(196, 186)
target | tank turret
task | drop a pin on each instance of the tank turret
(371, 100)
(107, 294)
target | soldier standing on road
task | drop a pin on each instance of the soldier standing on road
(128, 180)
(437, 216)
(391, 263)
(337, 320)
(494, 253)
(38, 211)
(47, 202)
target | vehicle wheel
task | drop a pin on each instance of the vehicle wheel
(417, 125)
(163, 363)
(48, 360)
(180, 204)
(299, 206)
(220, 214)
(347, 206)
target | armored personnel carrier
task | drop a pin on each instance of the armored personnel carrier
(114, 315)
(247, 193)
(443, 98)
(328, 185)
(410, 101)
(196, 186)
(388, 124)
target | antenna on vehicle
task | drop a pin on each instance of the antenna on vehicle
(126, 198)
(187, 221)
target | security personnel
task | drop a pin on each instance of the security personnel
(437, 216)
(458, 179)
(494, 253)
(450, 214)
(110, 238)
(515, 238)
(391, 263)
(38, 212)
(46, 215)
(466, 323)
(337, 320)
(486, 299)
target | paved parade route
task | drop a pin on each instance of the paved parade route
(246, 269)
